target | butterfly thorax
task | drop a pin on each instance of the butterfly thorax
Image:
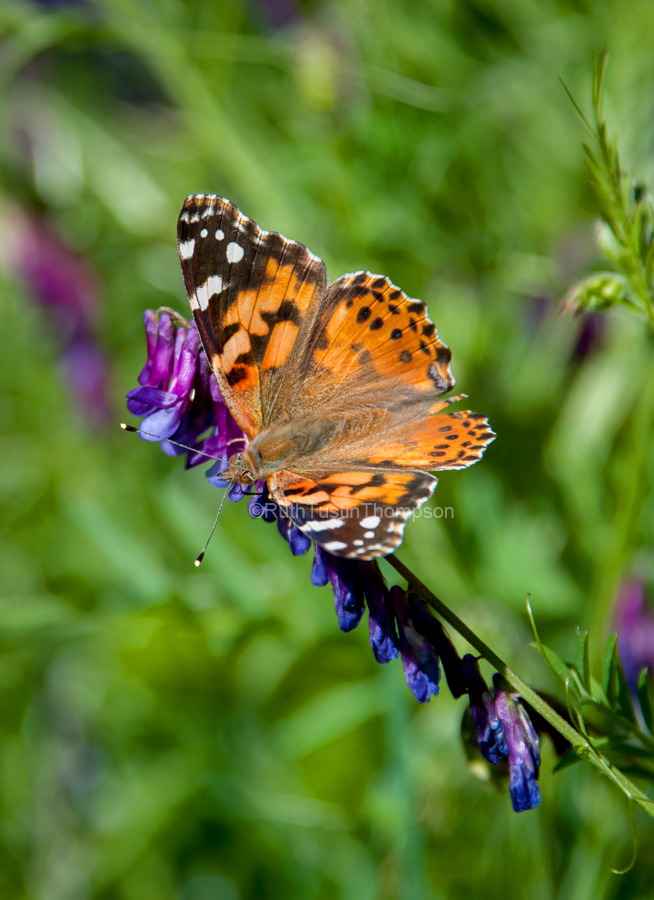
(276, 448)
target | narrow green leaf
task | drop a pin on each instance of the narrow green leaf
(609, 672)
(645, 697)
(625, 703)
(560, 670)
(582, 659)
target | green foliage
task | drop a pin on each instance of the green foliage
(192, 735)
(625, 233)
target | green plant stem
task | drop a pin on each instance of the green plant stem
(582, 744)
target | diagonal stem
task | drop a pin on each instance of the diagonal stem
(579, 741)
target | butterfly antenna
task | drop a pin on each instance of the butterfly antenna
(215, 522)
(176, 443)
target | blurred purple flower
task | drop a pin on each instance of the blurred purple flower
(66, 285)
(634, 621)
(590, 335)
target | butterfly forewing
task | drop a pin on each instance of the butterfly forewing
(250, 292)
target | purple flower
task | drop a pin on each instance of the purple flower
(421, 662)
(634, 622)
(504, 731)
(346, 582)
(490, 735)
(67, 287)
(179, 398)
(523, 747)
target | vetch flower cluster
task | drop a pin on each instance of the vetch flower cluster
(180, 401)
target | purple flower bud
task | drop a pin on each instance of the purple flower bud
(346, 583)
(421, 663)
(298, 541)
(319, 573)
(490, 736)
(634, 621)
(523, 748)
(384, 640)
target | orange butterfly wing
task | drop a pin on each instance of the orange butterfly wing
(252, 293)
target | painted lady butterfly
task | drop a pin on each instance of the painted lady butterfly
(334, 386)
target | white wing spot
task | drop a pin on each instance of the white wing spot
(358, 543)
(186, 249)
(323, 525)
(332, 546)
(204, 292)
(195, 218)
(204, 232)
(234, 253)
(220, 234)
(370, 522)
(369, 535)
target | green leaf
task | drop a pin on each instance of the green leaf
(609, 671)
(625, 703)
(582, 659)
(560, 670)
(645, 698)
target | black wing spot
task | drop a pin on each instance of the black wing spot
(395, 295)
(363, 314)
(445, 428)
(405, 356)
(376, 324)
(443, 354)
(428, 329)
(396, 334)
(424, 348)
(393, 309)
(349, 303)
(365, 358)
(356, 347)
(416, 307)
(236, 374)
(412, 325)
(379, 283)
(437, 453)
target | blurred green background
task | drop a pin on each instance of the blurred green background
(178, 734)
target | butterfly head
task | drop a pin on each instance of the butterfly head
(243, 468)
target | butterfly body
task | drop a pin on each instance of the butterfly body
(334, 386)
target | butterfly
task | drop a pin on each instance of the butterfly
(334, 385)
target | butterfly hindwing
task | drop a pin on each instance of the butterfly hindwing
(250, 292)
(359, 514)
